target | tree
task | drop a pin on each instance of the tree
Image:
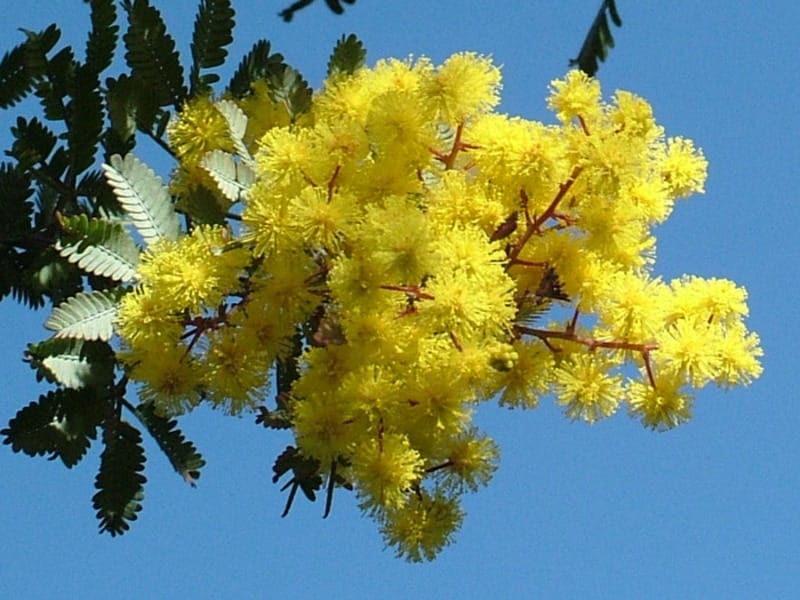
(380, 254)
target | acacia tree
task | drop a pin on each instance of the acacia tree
(361, 265)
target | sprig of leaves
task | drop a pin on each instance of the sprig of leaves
(598, 40)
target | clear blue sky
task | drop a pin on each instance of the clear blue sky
(710, 510)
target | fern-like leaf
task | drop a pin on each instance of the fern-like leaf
(33, 142)
(60, 424)
(151, 55)
(213, 31)
(233, 178)
(99, 247)
(256, 64)
(119, 481)
(85, 316)
(289, 88)
(85, 119)
(348, 55)
(182, 454)
(103, 36)
(305, 475)
(204, 206)
(144, 197)
(598, 40)
(75, 364)
(237, 126)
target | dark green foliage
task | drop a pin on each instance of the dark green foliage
(182, 454)
(256, 64)
(305, 475)
(598, 39)
(22, 65)
(213, 31)
(119, 481)
(61, 424)
(33, 143)
(102, 39)
(285, 84)
(73, 363)
(129, 107)
(84, 116)
(289, 88)
(151, 55)
(335, 5)
(348, 55)
(53, 87)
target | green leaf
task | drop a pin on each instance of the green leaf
(129, 107)
(305, 475)
(144, 197)
(348, 56)
(233, 178)
(119, 481)
(256, 64)
(213, 31)
(203, 205)
(102, 39)
(15, 205)
(37, 47)
(85, 119)
(17, 72)
(75, 364)
(237, 126)
(289, 87)
(151, 55)
(60, 424)
(33, 142)
(182, 454)
(53, 88)
(598, 40)
(100, 247)
(85, 316)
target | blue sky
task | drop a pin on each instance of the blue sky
(709, 510)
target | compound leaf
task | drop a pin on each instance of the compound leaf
(151, 54)
(182, 454)
(103, 36)
(100, 247)
(233, 178)
(85, 316)
(213, 31)
(144, 197)
(119, 481)
(348, 55)
(61, 424)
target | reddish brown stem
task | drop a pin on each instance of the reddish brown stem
(534, 225)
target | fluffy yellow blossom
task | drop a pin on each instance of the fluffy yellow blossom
(405, 253)
(585, 386)
(420, 529)
(386, 468)
(463, 87)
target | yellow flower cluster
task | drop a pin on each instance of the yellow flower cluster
(416, 238)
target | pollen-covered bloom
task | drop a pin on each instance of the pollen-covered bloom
(402, 252)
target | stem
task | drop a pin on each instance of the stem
(534, 225)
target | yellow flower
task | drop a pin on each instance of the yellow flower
(683, 167)
(385, 469)
(583, 384)
(664, 406)
(424, 526)
(464, 86)
(577, 95)
(199, 129)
